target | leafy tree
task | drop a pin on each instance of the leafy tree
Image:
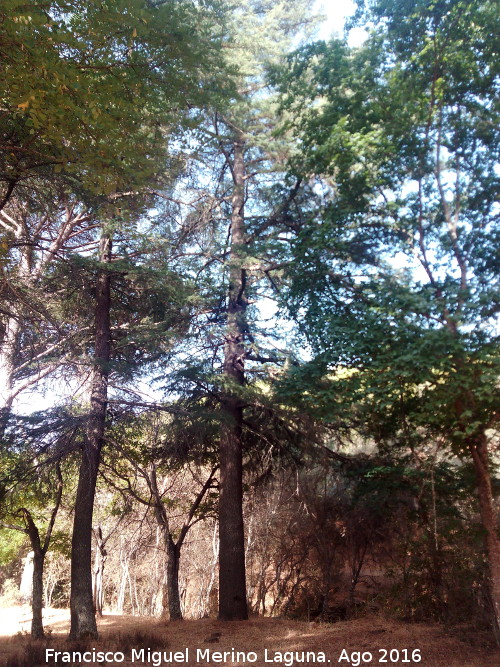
(27, 503)
(167, 467)
(394, 276)
(39, 231)
(135, 312)
(106, 71)
(244, 157)
(113, 76)
(82, 608)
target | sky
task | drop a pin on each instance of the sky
(335, 15)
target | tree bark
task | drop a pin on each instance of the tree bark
(232, 582)
(99, 562)
(37, 600)
(479, 452)
(124, 564)
(173, 597)
(171, 600)
(172, 605)
(83, 621)
(478, 448)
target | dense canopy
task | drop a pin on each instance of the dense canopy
(249, 310)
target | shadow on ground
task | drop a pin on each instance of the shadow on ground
(261, 642)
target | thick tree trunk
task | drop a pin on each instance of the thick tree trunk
(173, 597)
(37, 599)
(479, 451)
(83, 622)
(232, 583)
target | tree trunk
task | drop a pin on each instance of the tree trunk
(232, 584)
(211, 597)
(39, 553)
(83, 622)
(173, 597)
(37, 599)
(7, 368)
(124, 564)
(479, 451)
(99, 562)
(172, 603)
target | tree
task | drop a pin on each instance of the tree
(262, 33)
(69, 136)
(82, 607)
(166, 465)
(137, 309)
(393, 282)
(38, 231)
(95, 61)
(125, 76)
(39, 544)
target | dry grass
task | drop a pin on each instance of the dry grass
(122, 633)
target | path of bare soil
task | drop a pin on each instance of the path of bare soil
(359, 642)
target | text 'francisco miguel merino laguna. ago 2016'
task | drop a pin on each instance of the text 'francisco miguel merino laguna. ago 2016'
(202, 656)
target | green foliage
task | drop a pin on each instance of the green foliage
(61, 543)
(394, 249)
(100, 79)
(394, 278)
(11, 543)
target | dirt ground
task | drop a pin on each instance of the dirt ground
(263, 642)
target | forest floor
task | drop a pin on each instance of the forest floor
(358, 642)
